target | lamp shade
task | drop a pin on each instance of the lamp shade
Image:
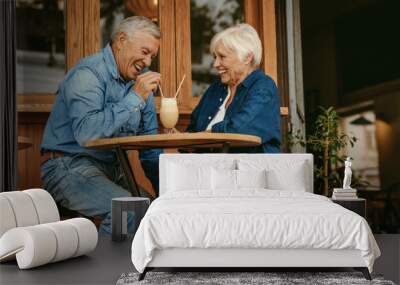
(361, 120)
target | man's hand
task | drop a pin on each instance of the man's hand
(146, 83)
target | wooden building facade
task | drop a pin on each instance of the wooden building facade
(82, 38)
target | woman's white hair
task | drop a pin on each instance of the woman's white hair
(135, 24)
(242, 39)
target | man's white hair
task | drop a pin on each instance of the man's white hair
(135, 24)
(241, 39)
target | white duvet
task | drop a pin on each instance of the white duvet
(252, 218)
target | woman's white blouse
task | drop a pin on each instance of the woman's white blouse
(219, 117)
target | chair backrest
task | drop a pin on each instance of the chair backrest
(26, 208)
(282, 163)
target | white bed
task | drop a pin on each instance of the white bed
(229, 210)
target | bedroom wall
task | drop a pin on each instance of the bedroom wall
(387, 109)
(352, 63)
(324, 69)
(319, 67)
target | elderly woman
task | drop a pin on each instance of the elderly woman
(244, 100)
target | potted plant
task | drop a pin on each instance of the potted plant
(325, 142)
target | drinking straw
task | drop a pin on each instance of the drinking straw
(159, 87)
(180, 86)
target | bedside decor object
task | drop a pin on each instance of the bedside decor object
(31, 231)
(119, 214)
(347, 174)
(345, 193)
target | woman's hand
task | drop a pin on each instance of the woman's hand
(171, 131)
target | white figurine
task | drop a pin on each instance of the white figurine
(347, 174)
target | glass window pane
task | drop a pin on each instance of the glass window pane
(40, 45)
(207, 18)
(113, 12)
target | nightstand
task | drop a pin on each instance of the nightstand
(358, 205)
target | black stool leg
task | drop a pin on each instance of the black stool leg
(364, 271)
(225, 147)
(126, 168)
(143, 274)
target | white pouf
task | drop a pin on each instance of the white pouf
(31, 230)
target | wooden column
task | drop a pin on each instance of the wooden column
(252, 14)
(183, 53)
(74, 32)
(283, 79)
(261, 15)
(91, 27)
(268, 37)
(268, 18)
(82, 30)
(166, 16)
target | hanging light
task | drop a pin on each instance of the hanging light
(146, 8)
(361, 121)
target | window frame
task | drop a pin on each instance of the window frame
(82, 19)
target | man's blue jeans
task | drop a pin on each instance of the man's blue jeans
(84, 184)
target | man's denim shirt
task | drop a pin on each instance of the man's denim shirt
(93, 102)
(255, 110)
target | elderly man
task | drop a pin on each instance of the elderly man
(108, 94)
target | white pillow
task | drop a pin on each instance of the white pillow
(293, 180)
(251, 178)
(227, 179)
(281, 174)
(223, 179)
(184, 177)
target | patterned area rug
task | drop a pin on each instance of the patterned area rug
(243, 278)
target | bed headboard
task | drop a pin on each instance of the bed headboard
(236, 161)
